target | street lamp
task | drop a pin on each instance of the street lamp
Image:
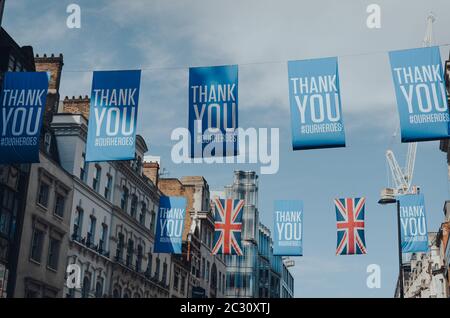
(392, 200)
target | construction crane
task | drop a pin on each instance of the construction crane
(402, 178)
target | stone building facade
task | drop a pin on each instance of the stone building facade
(426, 278)
(113, 217)
(40, 269)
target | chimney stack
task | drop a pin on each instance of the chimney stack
(151, 171)
(53, 66)
(77, 105)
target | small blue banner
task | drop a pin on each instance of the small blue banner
(113, 116)
(169, 229)
(413, 223)
(213, 111)
(288, 228)
(314, 94)
(23, 99)
(421, 95)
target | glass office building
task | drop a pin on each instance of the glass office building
(242, 276)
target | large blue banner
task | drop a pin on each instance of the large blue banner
(288, 228)
(421, 96)
(213, 111)
(23, 98)
(170, 225)
(314, 94)
(113, 116)
(413, 221)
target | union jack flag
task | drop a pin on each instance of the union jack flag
(350, 226)
(228, 226)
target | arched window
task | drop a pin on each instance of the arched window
(117, 292)
(134, 204)
(213, 284)
(99, 288)
(86, 287)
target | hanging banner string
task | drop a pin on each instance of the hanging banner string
(174, 68)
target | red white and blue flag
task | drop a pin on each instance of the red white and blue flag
(228, 226)
(350, 226)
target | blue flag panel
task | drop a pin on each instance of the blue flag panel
(213, 111)
(314, 94)
(169, 229)
(23, 98)
(288, 228)
(421, 96)
(413, 225)
(113, 116)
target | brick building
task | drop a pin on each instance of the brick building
(205, 273)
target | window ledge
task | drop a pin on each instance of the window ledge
(35, 261)
(52, 269)
(42, 207)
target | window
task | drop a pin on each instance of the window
(78, 224)
(102, 243)
(108, 187)
(97, 177)
(164, 274)
(138, 165)
(60, 202)
(134, 201)
(53, 253)
(130, 251)
(158, 263)
(139, 259)
(11, 63)
(124, 199)
(223, 283)
(99, 288)
(149, 264)
(207, 271)
(152, 221)
(176, 280)
(86, 287)
(142, 215)
(8, 212)
(203, 267)
(91, 234)
(47, 142)
(120, 247)
(84, 167)
(44, 190)
(116, 293)
(183, 283)
(36, 245)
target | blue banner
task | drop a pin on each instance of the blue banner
(314, 94)
(113, 116)
(170, 225)
(23, 98)
(213, 111)
(421, 96)
(288, 228)
(413, 224)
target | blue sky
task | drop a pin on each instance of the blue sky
(166, 37)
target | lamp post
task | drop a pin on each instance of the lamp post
(385, 201)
